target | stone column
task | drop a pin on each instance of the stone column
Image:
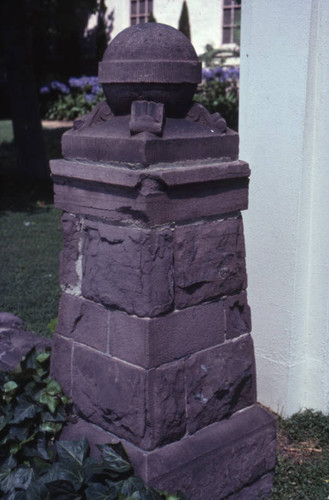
(153, 339)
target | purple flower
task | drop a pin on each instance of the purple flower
(61, 87)
(90, 98)
(222, 74)
(207, 73)
(96, 89)
(45, 90)
(85, 83)
(75, 83)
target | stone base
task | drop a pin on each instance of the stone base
(233, 458)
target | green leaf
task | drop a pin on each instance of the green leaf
(10, 386)
(50, 401)
(97, 491)
(25, 409)
(114, 461)
(53, 387)
(3, 422)
(51, 427)
(22, 477)
(18, 432)
(58, 416)
(17, 447)
(17, 495)
(73, 451)
(71, 472)
(43, 357)
(5, 480)
(62, 490)
(37, 491)
(31, 389)
(130, 485)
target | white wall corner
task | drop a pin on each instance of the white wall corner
(283, 128)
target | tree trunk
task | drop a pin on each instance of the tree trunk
(30, 150)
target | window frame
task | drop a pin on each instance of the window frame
(140, 17)
(231, 6)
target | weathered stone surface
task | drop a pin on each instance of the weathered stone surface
(128, 268)
(234, 456)
(180, 192)
(219, 381)
(150, 342)
(10, 320)
(145, 407)
(242, 450)
(259, 490)
(61, 362)
(209, 261)
(83, 321)
(166, 404)
(16, 342)
(110, 141)
(69, 272)
(237, 314)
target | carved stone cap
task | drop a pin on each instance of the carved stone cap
(150, 53)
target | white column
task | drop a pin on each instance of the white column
(284, 131)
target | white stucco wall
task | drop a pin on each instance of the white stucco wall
(205, 19)
(284, 125)
(121, 15)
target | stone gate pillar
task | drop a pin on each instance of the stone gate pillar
(153, 339)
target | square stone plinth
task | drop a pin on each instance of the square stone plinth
(233, 459)
(181, 140)
(155, 195)
(155, 406)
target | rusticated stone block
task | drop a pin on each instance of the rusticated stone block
(209, 261)
(259, 490)
(219, 381)
(61, 362)
(150, 342)
(69, 272)
(83, 321)
(145, 407)
(151, 196)
(235, 456)
(237, 314)
(129, 268)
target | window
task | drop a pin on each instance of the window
(231, 21)
(140, 10)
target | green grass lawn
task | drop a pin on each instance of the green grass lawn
(30, 239)
(302, 470)
(30, 242)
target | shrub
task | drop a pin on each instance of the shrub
(35, 467)
(219, 92)
(67, 102)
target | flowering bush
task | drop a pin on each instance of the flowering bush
(67, 102)
(219, 92)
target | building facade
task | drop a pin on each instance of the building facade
(212, 22)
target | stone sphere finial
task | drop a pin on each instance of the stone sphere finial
(152, 62)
